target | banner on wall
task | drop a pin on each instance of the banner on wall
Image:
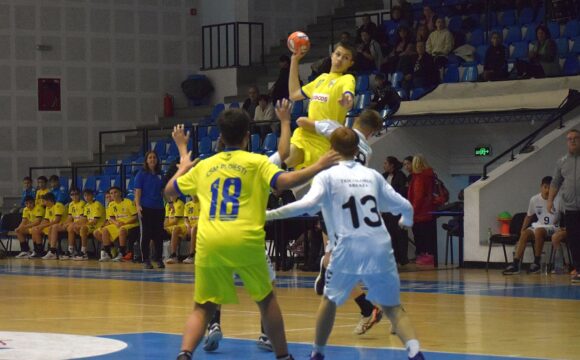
(48, 94)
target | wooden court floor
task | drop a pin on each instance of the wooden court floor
(453, 311)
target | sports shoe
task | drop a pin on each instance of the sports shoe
(118, 258)
(214, 336)
(316, 356)
(128, 256)
(50, 256)
(534, 268)
(172, 260)
(81, 257)
(575, 279)
(160, 264)
(22, 255)
(104, 256)
(419, 356)
(512, 269)
(427, 260)
(264, 343)
(66, 256)
(147, 265)
(34, 255)
(188, 260)
(320, 279)
(366, 323)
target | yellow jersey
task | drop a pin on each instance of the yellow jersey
(325, 92)
(33, 214)
(58, 209)
(123, 210)
(175, 211)
(39, 194)
(233, 188)
(76, 210)
(95, 210)
(191, 211)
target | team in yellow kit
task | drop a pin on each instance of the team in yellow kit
(32, 216)
(188, 227)
(75, 211)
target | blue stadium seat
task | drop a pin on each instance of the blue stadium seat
(508, 18)
(202, 131)
(297, 109)
(214, 133)
(205, 148)
(362, 101)
(137, 165)
(417, 93)
(455, 24)
(476, 38)
(451, 75)
(79, 181)
(103, 183)
(562, 44)
(402, 94)
(571, 29)
(554, 28)
(514, 34)
(530, 32)
(362, 83)
(396, 79)
(270, 144)
(541, 15)
(217, 109)
(470, 74)
(130, 184)
(91, 183)
(575, 46)
(111, 169)
(526, 16)
(116, 180)
(100, 197)
(480, 53)
(571, 66)
(234, 105)
(160, 148)
(520, 50)
(255, 143)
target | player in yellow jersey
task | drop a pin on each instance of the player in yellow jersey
(31, 216)
(41, 189)
(123, 218)
(175, 225)
(55, 213)
(98, 231)
(233, 188)
(75, 211)
(191, 220)
(331, 97)
(93, 217)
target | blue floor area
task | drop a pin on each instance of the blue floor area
(165, 346)
(508, 288)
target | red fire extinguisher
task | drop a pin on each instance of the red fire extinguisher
(168, 105)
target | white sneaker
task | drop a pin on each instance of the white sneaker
(22, 255)
(366, 323)
(172, 260)
(118, 258)
(81, 257)
(188, 260)
(104, 256)
(214, 336)
(50, 256)
(66, 256)
(32, 255)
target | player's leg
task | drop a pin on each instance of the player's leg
(84, 231)
(22, 234)
(274, 325)
(404, 329)
(296, 156)
(214, 331)
(176, 233)
(557, 238)
(540, 235)
(107, 239)
(37, 233)
(320, 279)
(193, 237)
(195, 328)
(369, 314)
(514, 268)
(53, 242)
(123, 233)
(71, 232)
(263, 341)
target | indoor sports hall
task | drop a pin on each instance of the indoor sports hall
(478, 111)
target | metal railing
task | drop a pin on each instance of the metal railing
(222, 44)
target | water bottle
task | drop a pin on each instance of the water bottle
(559, 261)
(544, 264)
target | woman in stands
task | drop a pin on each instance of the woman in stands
(495, 67)
(543, 57)
(395, 176)
(421, 197)
(403, 38)
(149, 203)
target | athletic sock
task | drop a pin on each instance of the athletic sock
(537, 260)
(24, 246)
(37, 248)
(52, 250)
(412, 347)
(107, 249)
(123, 250)
(366, 307)
(517, 263)
(83, 249)
(318, 349)
(262, 328)
(184, 355)
(71, 249)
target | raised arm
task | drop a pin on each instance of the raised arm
(181, 139)
(283, 109)
(292, 179)
(294, 80)
(309, 204)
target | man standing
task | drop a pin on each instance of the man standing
(566, 181)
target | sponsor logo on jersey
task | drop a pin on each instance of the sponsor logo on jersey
(323, 98)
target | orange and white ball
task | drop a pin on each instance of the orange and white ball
(298, 41)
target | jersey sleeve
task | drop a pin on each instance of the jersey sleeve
(132, 208)
(167, 210)
(179, 208)
(391, 201)
(59, 209)
(348, 84)
(38, 211)
(531, 207)
(308, 89)
(269, 172)
(187, 184)
(309, 204)
(326, 127)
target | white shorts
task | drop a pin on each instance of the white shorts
(550, 229)
(383, 288)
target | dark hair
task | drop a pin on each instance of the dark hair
(408, 158)
(42, 177)
(49, 197)
(89, 191)
(27, 178)
(264, 97)
(157, 169)
(284, 58)
(28, 198)
(346, 45)
(233, 124)
(345, 33)
(545, 29)
(115, 188)
(546, 180)
(395, 162)
(75, 189)
(53, 178)
(344, 141)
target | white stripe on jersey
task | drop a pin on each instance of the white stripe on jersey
(327, 127)
(352, 197)
(539, 207)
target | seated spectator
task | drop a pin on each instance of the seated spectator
(75, 211)
(55, 214)
(440, 43)
(27, 191)
(188, 228)
(403, 38)
(368, 26)
(279, 90)
(93, 219)
(384, 95)
(406, 12)
(546, 225)
(264, 112)
(391, 26)
(369, 54)
(32, 215)
(423, 73)
(495, 66)
(251, 102)
(54, 186)
(428, 18)
(407, 59)
(543, 57)
(422, 33)
(41, 189)
(174, 223)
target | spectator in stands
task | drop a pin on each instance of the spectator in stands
(403, 39)
(495, 65)
(54, 214)
(428, 18)
(187, 228)
(407, 59)
(390, 27)
(566, 182)
(32, 215)
(149, 202)
(74, 212)
(546, 225)
(94, 218)
(423, 73)
(369, 55)
(384, 95)
(440, 43)
(422, 33)
(122, 219)
(406, 12)
(543, 57)
(421, 197)
(251, 102)
(368, 26)
(408, 166)
(27, 191)
(395, 177)
(279, 90)
(41, 189)
(264, 112)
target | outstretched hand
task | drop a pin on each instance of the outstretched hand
(180, 137)
(283, 109)
(185, 163)
(346, 101)
(329, 159)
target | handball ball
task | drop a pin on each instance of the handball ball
(298, 41)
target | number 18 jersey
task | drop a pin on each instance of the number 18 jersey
(233, 188)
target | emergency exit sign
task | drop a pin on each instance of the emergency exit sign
(483, 150)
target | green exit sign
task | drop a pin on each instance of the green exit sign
(483, 150)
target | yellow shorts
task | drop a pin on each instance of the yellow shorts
(92, 228)
(182, 227)
(216, 284)
(114, 231)
(312, 145)
(46, 230)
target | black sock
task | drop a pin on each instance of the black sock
(262, 328)
(537, 260)
(24, 246)
(52, 250)
(107, 249)
(366, 307)
(173, 255)
(123, 250)
(516, 262)
(37, 248)
(217, 318)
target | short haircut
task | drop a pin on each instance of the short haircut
(115, 188)
(74, 189)
(574, 131)
(546, 180)
(89, 191)
(27, 178)
(545, 29)
(408, 158)
(345, 33)
(344, 141)
(49, 197)
(381, 76)
(28, 198)
(42, 177)
(264, 97)
(233, 124)
(395, 162)
(347, 46)
(370, 120)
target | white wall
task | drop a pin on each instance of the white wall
(115, 60)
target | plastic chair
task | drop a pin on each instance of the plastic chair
(417, 93)
(270, 145)
(575, 46)
(554, 28)
(255, 143)
(571, 66)
(470, 74)
(205, 147)
(514, 34)
(402, 94)
(214, 133)
(160, 148)
(8, 223)
(91, 183)
(571, 29)
(480, 52)
(508, 18)
(476, 38)
(562, 44)
(519, 50)
(217, 109)
(512, 239)
(362, 83)
(396, 79)
(64, 183)
(455, 24)
(451, 75)
(530, 32)
(103, 183)
(526, 16)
